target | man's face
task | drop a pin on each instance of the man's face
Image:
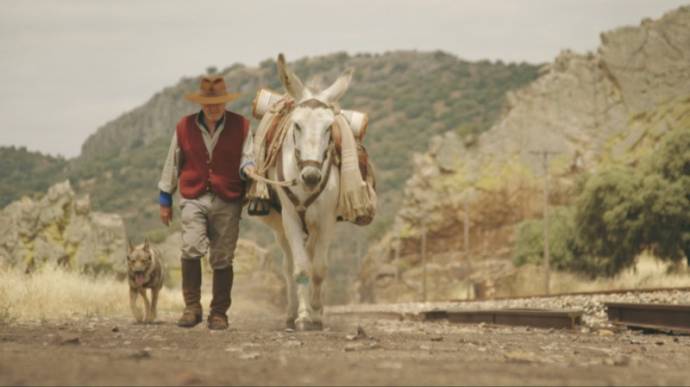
(213, 112)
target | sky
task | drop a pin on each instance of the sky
(67, 67)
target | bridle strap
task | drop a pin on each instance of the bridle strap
(309, 163)
(306, 163)
(300, 207)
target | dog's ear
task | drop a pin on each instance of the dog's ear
(146, 244)
(130, 248)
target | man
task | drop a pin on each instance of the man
(208, 156)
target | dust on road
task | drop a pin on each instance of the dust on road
(258, 351)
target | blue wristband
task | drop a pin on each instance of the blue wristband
(165, 199)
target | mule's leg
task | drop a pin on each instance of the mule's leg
(291, 289)
(302, 267)
(318, 250)
(154, 303)
(136, 312)
(274, 221)
(147, 305)
(290, 284)
(320, 257)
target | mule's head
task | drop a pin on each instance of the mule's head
(311, 120)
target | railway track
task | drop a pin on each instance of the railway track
(657, 317)
(553, 313)
(539, 318)
(589, 293)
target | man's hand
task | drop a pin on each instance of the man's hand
(166, 215)
(249, 170)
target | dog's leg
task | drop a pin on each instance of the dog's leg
(133, 305)
(154, 303)
(147, 305)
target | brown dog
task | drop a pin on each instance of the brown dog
(144, 271)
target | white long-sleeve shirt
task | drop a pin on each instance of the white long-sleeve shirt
(168, 181)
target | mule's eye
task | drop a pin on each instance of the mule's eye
(299, 128)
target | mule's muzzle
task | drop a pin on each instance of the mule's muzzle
(311, 176)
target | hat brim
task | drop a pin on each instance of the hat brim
(205, 100)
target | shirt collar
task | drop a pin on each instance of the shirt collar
(200, 120)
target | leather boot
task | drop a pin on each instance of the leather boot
(222, 286)
(191, 292)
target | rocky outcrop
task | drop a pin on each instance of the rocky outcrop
(61, 229)
(581, 101)
(583, 110)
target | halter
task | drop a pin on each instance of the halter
(301, 164)
(301, 207)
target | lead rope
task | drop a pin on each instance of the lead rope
(279, 183)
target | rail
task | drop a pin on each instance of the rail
(658, 317)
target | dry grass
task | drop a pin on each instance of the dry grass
(52, 294)
(649, 272)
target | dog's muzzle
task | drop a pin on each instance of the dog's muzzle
(140, 277)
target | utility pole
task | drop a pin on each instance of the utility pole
(547, 259)
(397, 258)
(358, 253)
(466, 226)
(424, 262)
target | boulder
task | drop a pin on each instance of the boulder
(61, 229)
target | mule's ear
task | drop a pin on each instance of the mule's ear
(338, 88)
(130, 248)
(293, 85)
(146, 244)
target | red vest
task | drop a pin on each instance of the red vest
(219, 172)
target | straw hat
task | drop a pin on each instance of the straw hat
(212, 91)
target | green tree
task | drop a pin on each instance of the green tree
(608, 224)
(530, 241)
(668, 189)
(623, 211)
(620, 212)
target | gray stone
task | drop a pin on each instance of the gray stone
(449, 152)
(59, 229)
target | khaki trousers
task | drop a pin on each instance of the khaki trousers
(210, 224)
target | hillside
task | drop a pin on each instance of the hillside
(409, 96)
(587, 109)
(23, 172)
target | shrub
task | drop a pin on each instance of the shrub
(530, 242)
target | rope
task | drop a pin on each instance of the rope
(279, 183)
(278, 128)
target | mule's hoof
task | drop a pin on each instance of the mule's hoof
(290, 323)
(309, 326)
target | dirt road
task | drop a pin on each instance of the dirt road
(257, 350)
